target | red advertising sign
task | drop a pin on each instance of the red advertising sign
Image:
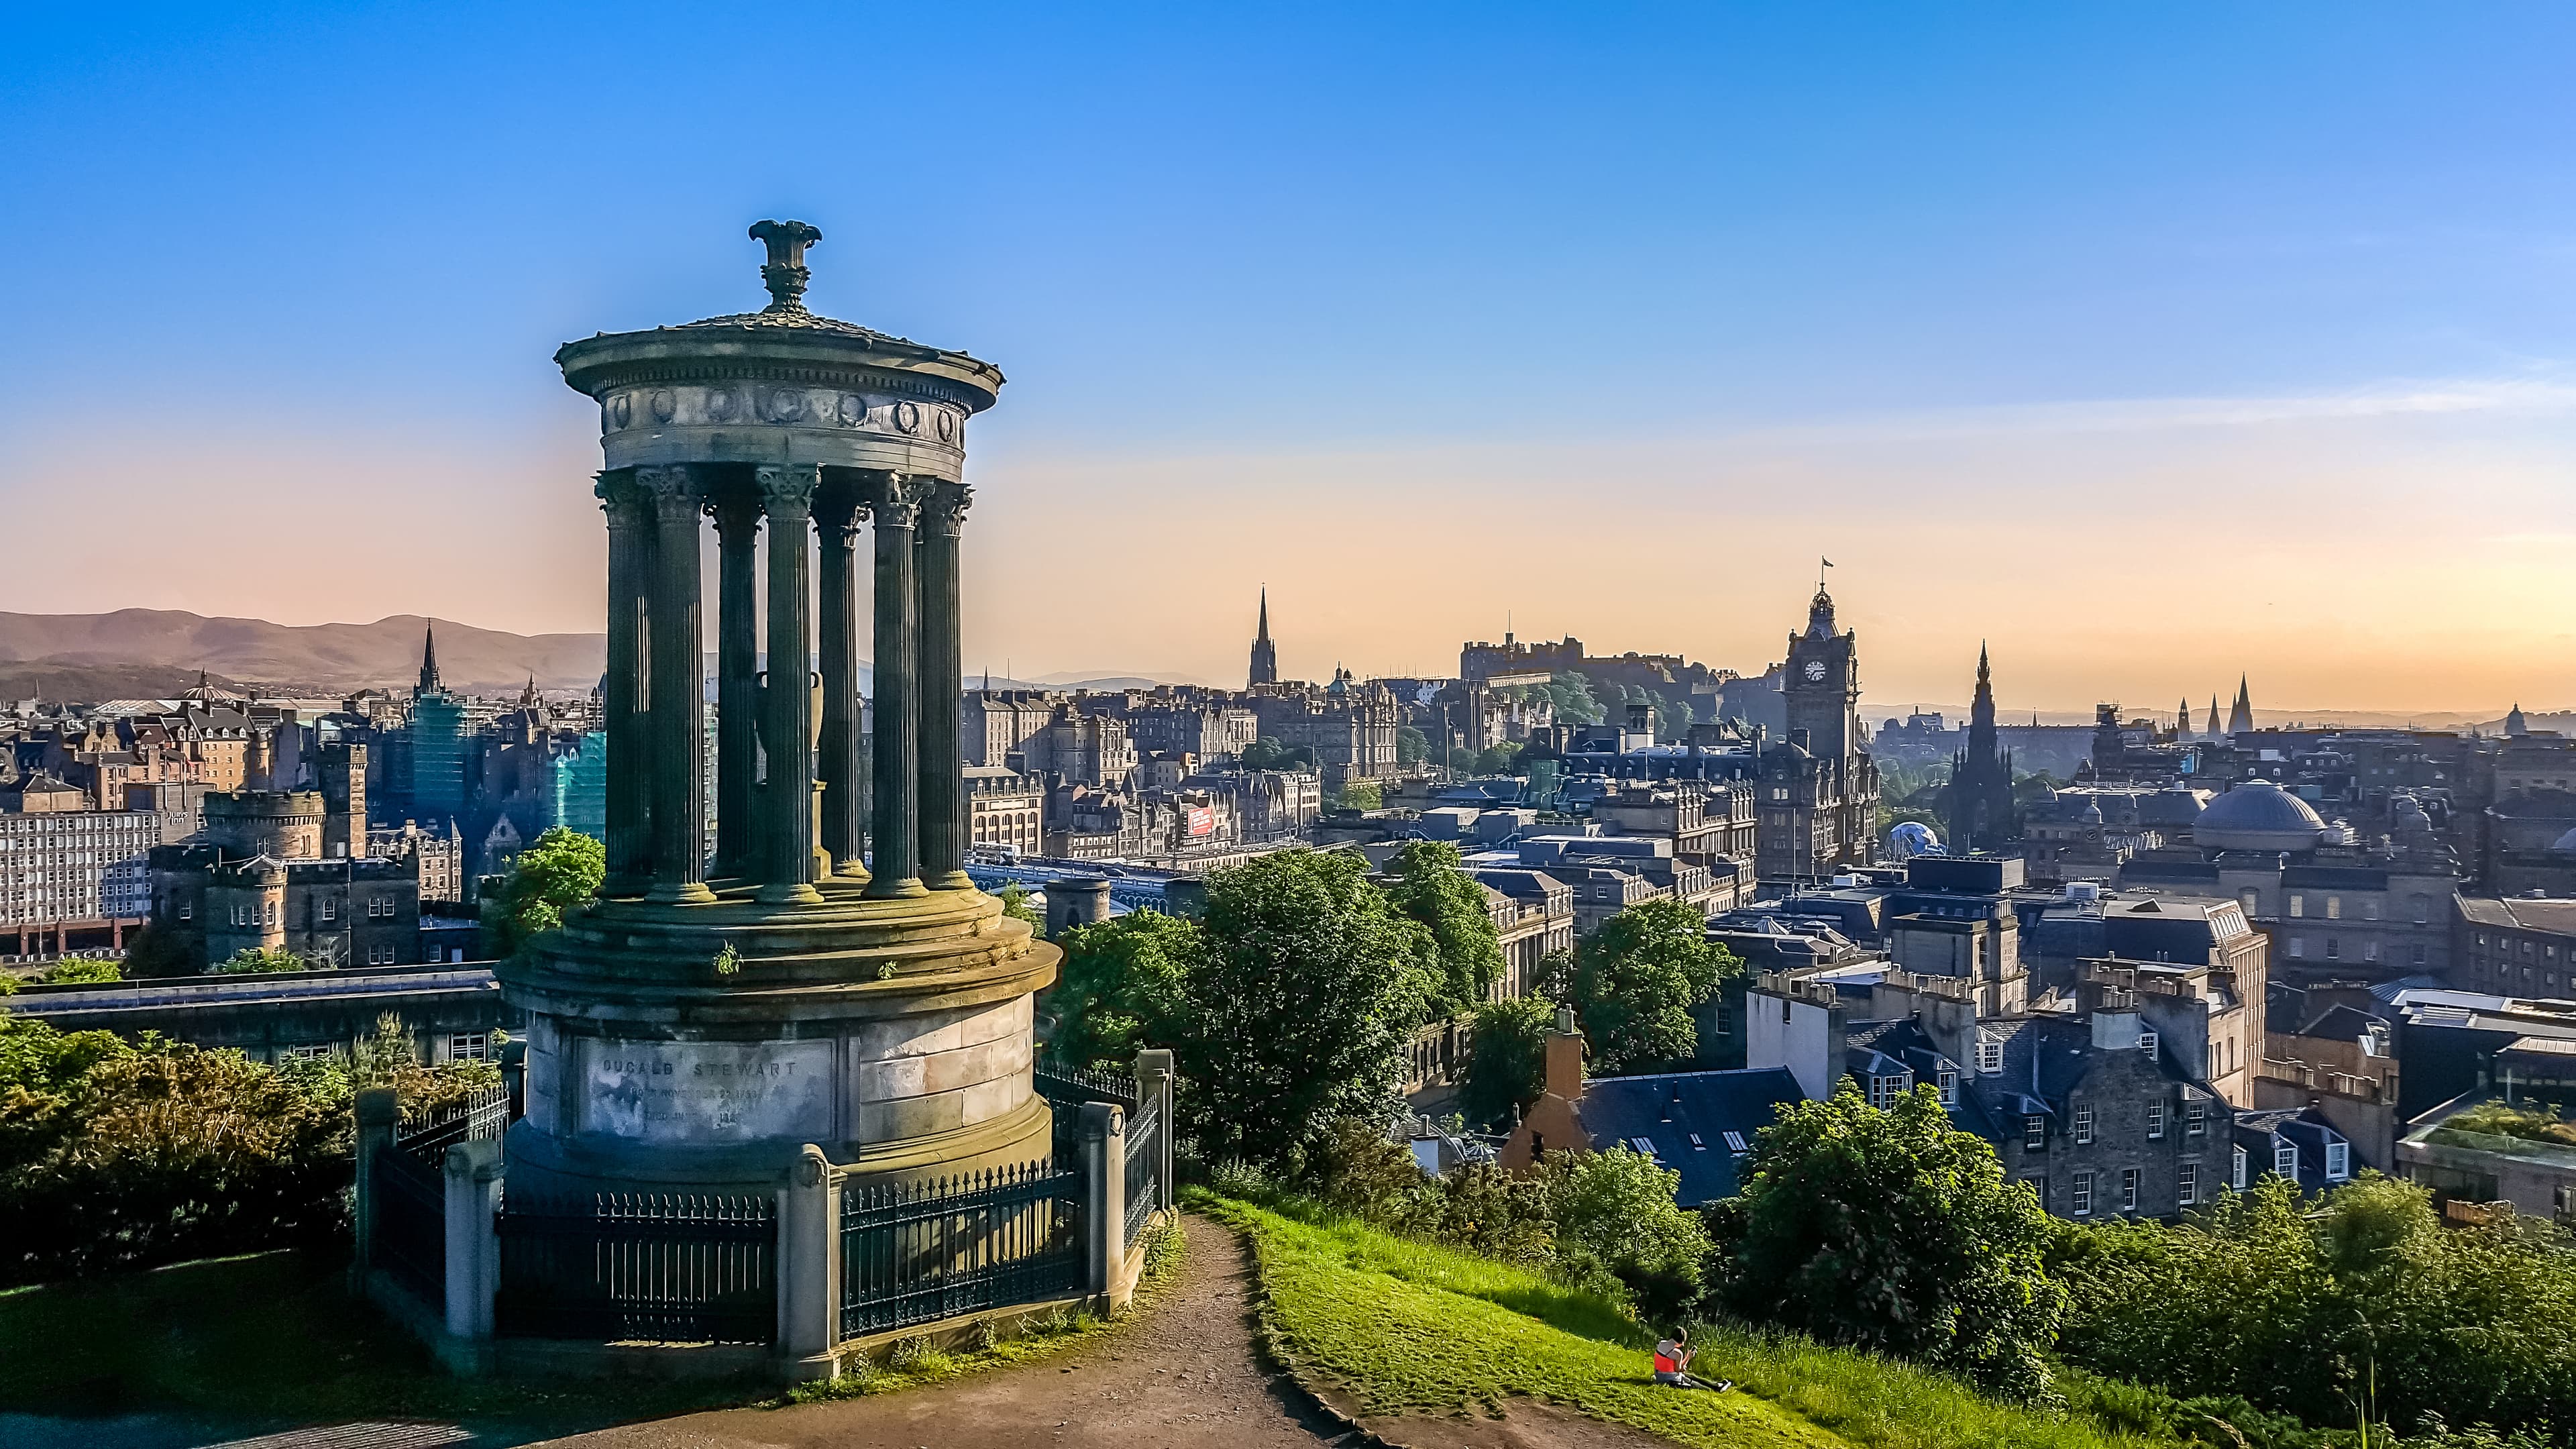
(1202, 821)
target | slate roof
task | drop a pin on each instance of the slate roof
(2342, 1023)
(1685, 1118)
(2259, 1132)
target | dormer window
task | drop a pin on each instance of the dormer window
(2285, 1160)
(2338, 1160)
(1949, 1081)
(1990, 1056)
(2147, 1042)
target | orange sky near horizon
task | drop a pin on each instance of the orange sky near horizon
(2410, 548)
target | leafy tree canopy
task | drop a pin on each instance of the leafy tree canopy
(1124, 986)
(1412, 746)
(1430, 884)
(1361, 795)
(1633, 983)
(1268, 754)
(68, 972)
(1570, 695)
(1507, 1057)
(1896, 1232)
(260, 960)
(558, 872)
(1015, 904)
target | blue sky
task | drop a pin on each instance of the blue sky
(1612, 316)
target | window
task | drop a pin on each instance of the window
(1884, 1092)
(2155, 1123)
(2338, 1160)
(2038, 1188)
(2240, 1169)
(470, 1046)
(2370, 908)
(2298, 904)
(187, 910)
(1645, 1145)
(1990, 1056)
(1949, 1081)
(330, 909)
(1725, 1020)
(2187, 1183)
(2195, 1121)
(2285, 1159)
(2128, 1189)
(2298, 946)
(2034, 1133)
(2083, 1194)
(2334, 908)
(1735, 1143)
(2247, 899)
(2422, 909)
(2147, 1042)
(2415, 954)
(2084, 1127)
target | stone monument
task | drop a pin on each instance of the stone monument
(703, 1020)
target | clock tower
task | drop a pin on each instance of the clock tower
(1822, 690)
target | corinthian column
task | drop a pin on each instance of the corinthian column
(943, 790)
(837, 512)
(897, 759)
(737, 519)
(630, 569)
(787, 720)
(679, 745)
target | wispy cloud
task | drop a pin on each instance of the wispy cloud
(2532, 396)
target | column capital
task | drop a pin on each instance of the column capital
(737, 515)
(895, 499)
(943, 507)
(839, 508)
(621, 498)
(787, 489)
(674, 490)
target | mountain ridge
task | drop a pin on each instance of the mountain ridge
(331, 657)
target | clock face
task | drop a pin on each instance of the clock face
(1815, 671)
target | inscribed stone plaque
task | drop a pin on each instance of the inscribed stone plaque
(707, 1092)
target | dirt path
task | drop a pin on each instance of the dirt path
(1185, 1376)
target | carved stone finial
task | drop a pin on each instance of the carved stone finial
(785, 273)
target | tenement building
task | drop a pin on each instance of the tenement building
(257, 878)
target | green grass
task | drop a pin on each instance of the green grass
(273, 1337)
(1410, 1328)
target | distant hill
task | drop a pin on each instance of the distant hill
(104, 656)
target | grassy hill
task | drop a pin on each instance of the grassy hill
(1398, 1327)
(166, 643)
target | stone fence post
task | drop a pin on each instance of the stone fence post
(1154, 1078)
(809, 1265)
(379, 1112)
(473, 1237)
(1104, 1175)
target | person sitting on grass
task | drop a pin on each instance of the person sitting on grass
(1672, 1362)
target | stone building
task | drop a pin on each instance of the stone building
(1349, 724)
(1005, 810)
(258, 878)
(2516, 946)
(1977, 806)
(1818, 790)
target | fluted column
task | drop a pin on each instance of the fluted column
(836, 523)
(787, 700)
(942, 672)
(737, 519)
(897, 757)
(630, 565)
(679, 743)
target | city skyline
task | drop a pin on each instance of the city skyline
(2227, 372)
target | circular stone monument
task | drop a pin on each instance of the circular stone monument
(711, 1014)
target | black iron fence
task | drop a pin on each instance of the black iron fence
(1067, 1088)
(484, 1115)
(939, 1249)
(668, 1268)
(409, 1200)
(1144, 1166)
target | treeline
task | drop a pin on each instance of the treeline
(118, 1154)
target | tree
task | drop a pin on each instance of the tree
(1893, 1231)
(1501, 759)
(1432, 886)
(68, 972)
(260, 960)
(1614, 1213)
(1124, 986)
(1305, 991)
(1412, 746)
(1634, 981)
(556, 874)
(1507, 1057)
(1570, 695)
(154, 952)
(1268, 754)
(1361, 795)
(2318, 1309)
(1015, 904)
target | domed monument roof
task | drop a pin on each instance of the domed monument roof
(2566, 843)
(2258, 815)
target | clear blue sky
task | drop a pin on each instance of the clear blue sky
(1221, 251)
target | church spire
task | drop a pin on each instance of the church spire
(2240, 716)
(1265, 655)
(429, 659)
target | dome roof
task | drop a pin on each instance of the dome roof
(2566, 842)
(2258, 815)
